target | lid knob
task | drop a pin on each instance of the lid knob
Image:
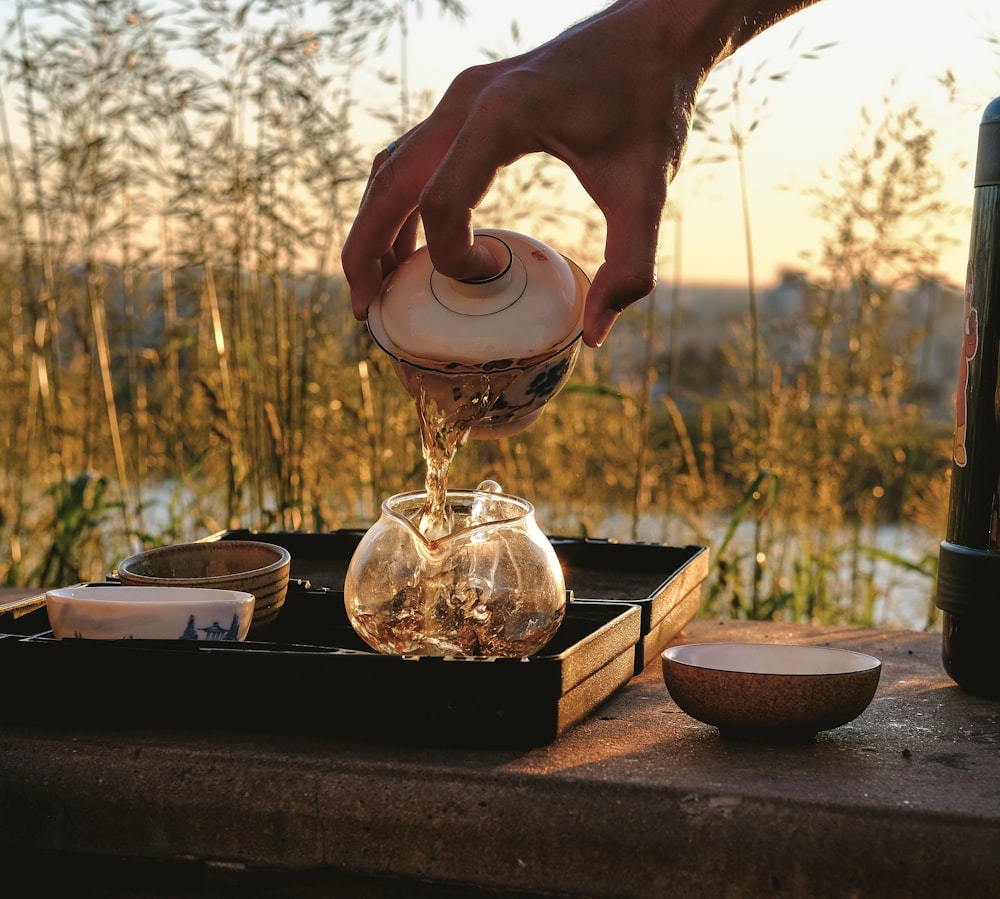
(487, 295)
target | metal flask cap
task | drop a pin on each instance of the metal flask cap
(533, 308)
(988, 155)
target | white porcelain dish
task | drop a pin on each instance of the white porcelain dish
(770, 690)
(149, 613)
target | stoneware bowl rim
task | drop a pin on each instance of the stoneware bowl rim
(131, 566)
(828, 656)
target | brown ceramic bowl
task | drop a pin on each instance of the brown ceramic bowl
(770, 691)
(249, 566)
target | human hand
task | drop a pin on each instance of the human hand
(612, 97)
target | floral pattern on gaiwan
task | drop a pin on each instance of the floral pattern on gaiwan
(533, 388)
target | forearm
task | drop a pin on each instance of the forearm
(613, 97)
(733, 22)
(707, 30)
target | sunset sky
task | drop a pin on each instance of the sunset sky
(883, 48)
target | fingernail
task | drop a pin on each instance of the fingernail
(604, 325)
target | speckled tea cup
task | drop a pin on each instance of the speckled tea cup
(251, 566)
(770, 691)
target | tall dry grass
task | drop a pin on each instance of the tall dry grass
(178, 355)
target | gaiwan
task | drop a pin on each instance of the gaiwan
(500, 348)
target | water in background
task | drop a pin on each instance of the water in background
(903, 596)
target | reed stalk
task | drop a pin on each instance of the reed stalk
(177, 336)
(649, 378)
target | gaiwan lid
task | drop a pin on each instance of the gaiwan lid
(533, 307)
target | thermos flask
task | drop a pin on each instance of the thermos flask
(968, 585)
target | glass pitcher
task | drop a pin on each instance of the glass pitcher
(492, 587)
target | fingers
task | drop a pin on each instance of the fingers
(366, 274)
(612, 291)
(632, 203)
(487, 142)
(382, 225)
(404, 244)
(633, 211)
(385, 228)
(442, 168)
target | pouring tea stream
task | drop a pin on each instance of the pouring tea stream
(469, 572)
(480, 358)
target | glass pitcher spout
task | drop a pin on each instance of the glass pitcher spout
(472, 516)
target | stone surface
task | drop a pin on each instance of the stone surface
(637, 801)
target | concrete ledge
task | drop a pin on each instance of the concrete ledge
(637, 801)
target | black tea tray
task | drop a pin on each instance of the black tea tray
(312, 674)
